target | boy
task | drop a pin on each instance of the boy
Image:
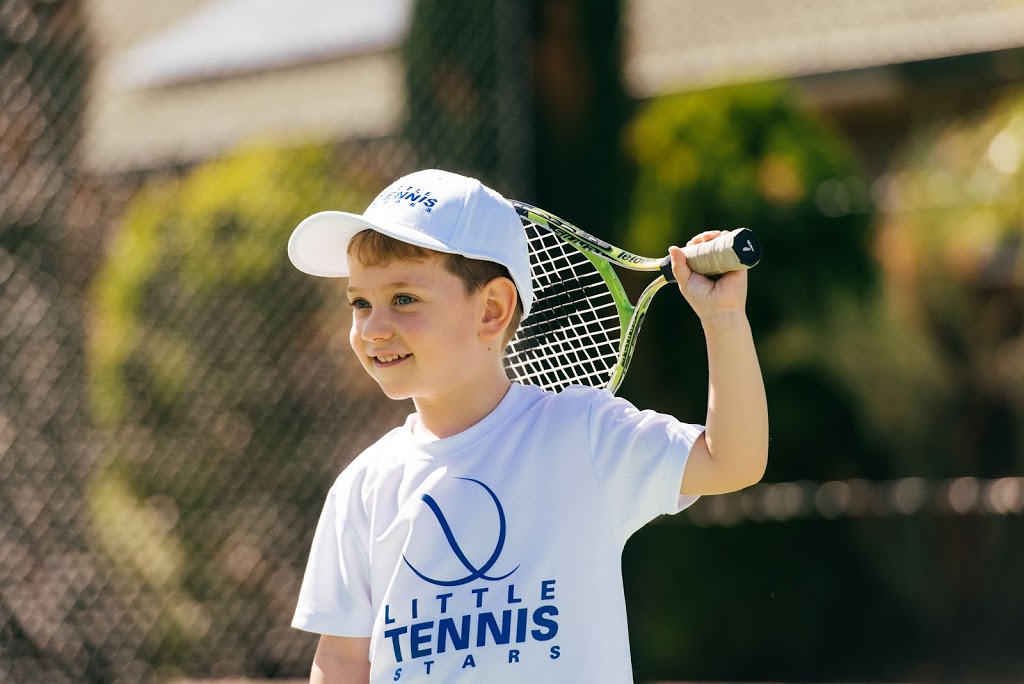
(481, 541)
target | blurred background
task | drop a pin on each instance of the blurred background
(176, 399)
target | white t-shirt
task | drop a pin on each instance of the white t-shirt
(494, 555)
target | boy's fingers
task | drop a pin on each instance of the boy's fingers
(679, 267)
(704, 237)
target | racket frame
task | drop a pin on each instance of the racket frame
(602, 255)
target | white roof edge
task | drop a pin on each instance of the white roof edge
(231, 37)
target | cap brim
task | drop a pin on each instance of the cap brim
(319, 245)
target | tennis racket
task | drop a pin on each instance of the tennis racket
(582, 326)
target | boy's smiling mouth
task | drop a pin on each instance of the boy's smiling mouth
(389, 359)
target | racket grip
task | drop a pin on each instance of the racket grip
(733, 250)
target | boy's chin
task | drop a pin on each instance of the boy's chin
(395, 392)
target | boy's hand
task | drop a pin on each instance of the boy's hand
(710, 299)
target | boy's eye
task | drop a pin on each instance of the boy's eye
(404, 299)
(359, 304)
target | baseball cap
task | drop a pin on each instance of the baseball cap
(436, 209)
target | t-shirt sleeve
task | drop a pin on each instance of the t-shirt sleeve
(335, 597)
(639, 458)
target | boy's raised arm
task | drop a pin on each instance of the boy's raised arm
(733, 451)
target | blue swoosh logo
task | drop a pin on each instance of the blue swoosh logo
(474, 572)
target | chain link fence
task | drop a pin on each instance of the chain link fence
(175, 399)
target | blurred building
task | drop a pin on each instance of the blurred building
(186, 79)
(191, 79)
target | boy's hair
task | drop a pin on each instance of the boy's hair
(377, 249)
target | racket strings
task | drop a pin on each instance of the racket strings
(572, 333)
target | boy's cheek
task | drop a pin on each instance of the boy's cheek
(354, 337)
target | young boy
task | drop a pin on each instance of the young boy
(482, 540)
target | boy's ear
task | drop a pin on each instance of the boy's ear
(499, 300)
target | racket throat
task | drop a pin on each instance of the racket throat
(665, 266)
(630, 331)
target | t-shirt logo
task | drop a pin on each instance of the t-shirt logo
(455, 543)
(473, 572)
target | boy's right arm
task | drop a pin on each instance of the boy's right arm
(341, 660)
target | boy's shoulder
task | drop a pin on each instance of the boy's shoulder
(570, 413)
(574, 401)
(583, 399)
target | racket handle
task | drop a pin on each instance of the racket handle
(733, 250)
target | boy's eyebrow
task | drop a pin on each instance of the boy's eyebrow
(394, 285)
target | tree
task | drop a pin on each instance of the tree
(229, 402)
(527, 96)
(953, 233)
(754, 156)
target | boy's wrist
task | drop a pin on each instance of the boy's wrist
(725, 320)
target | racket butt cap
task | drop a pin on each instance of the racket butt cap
(747, 247)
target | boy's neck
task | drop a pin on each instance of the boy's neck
(449, 415)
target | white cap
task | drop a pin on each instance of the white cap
(435, 209)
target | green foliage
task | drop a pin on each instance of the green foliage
(953, 233)
(913, 370)
(219, 230)
(211, 364)
(754, 156)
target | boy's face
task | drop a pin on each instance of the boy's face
(414, 328)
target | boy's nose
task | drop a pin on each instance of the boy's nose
(376, 326)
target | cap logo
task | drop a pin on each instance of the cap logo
(411, 194)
